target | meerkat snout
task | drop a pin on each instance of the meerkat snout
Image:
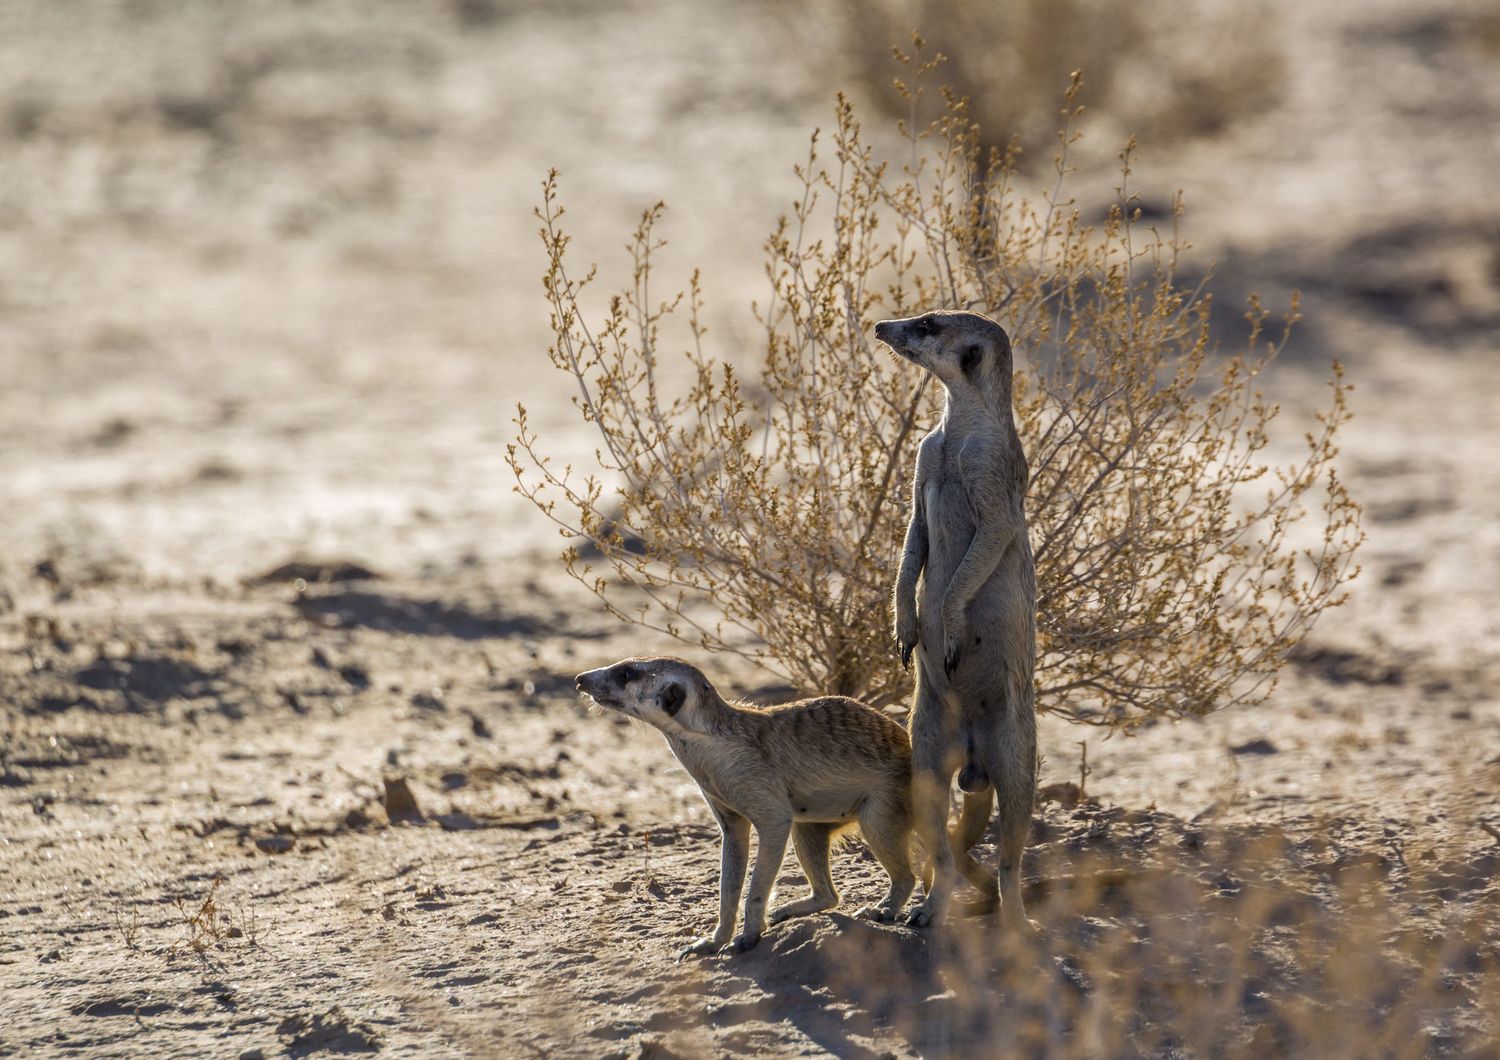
(639, 688)
(960, 348)
(606, 687)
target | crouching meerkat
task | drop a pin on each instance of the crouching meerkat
(973, 624)
(803, 771)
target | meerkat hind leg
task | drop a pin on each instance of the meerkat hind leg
(972, 821)
(933, 764)
(887, 832)
(1015, 783)
(929, 791)
(810, 841)
(1015, 830)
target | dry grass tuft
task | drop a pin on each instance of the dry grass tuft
(211, 922)
(204, 923)
(1176, 565)
(127, 924)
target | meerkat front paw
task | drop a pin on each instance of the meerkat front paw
(906, 637)
(881, 914)
(955, 630)
(952, 652)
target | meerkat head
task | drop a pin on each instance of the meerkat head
(961, 349)
(667, 693)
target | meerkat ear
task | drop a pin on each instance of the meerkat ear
(671, 699)
(971, 358)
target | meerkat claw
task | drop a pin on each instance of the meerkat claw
(906, 650)
(704, 947)
(920, 918)
(745, 942)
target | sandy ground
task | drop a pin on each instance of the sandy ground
(267, 297)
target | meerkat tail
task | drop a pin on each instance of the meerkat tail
(845, 833)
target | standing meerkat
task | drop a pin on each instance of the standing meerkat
(805, 770)
(974, 627)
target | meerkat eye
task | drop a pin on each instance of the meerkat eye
(924, 326)
(625, 674)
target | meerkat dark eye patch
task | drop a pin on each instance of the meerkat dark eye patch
(671, 699)
(971, 358)
(624, 675)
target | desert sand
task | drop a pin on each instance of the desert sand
(268, 296)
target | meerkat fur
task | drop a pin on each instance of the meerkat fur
(965, 604)
(803, 771)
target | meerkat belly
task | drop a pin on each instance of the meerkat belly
(830, 805)
(950, 528)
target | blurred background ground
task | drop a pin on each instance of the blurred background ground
(269, 292)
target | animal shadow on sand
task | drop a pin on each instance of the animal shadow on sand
(391, 613)
(838, 978)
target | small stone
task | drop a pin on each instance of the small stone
(400, 803)
(1259, 746)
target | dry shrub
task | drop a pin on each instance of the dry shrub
(1168, 69)
(765, 518)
